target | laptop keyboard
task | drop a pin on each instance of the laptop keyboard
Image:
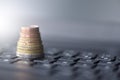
(70, 64)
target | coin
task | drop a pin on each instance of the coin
(29, 56)
(31, 29)
(30, 43)
(24, 39)
(29, 48)
(29, 35)
(30, 51)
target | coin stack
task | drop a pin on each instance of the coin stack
(30, 44)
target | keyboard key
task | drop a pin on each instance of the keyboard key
(70, 53)
(88, 55)
(107, 57)
(65, 63)
(52, 51)
(51, 61)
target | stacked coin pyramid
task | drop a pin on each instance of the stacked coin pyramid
(30, 43)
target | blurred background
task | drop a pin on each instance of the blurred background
(62, 22)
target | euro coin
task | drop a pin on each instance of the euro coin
(33, 29)
(30, 44)
(30, 39)
(29, 56)
(29, 35)
(29, 48)
(30, 51)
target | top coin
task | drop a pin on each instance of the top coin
(31, 29)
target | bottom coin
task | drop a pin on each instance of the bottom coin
(30, 56)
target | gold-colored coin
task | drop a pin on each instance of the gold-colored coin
(28, 44)
(29, 41)
(36, 46)
(35, 50)
(25, 38)
(28, 48)
(30, 52)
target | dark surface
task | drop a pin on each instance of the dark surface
(86, 64)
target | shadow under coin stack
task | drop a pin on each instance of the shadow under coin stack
(30, 45)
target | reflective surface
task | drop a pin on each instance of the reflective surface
(60, 64)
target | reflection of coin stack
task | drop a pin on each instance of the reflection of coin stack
(30, 44)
